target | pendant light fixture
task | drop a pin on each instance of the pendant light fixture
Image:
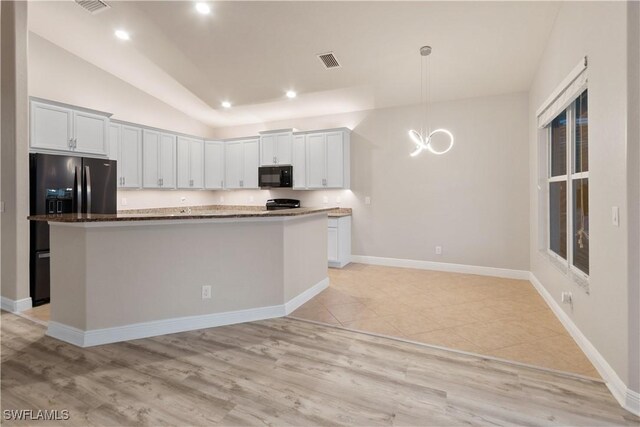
(424, 138)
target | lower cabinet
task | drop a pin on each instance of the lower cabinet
(339, 241)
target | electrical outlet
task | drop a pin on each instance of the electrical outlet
(124, 201)
(438, 250)
(206, 292)
(367, 200)
(325, 200)
(183, 199)
(567, 298)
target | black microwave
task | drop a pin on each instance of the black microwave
(275, 176)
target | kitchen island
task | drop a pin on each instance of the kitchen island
(132, 275)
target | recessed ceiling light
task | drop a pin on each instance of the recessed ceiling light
(203, 8)
(226, 104)
(291, 94)
(122, 35)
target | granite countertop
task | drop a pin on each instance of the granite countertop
(200, 212)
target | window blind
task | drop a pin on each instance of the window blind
(570, 88)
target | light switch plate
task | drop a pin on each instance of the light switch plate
(367, 200)
(615, 216)
(206, 292)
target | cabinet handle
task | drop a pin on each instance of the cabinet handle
(275, 160)
(241, 183)
(70, 142)
(75, 143)
(124, 180)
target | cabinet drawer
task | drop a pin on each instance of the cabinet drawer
(333, 222)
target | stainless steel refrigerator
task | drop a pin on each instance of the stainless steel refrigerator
(63, 184)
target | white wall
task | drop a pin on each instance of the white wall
(59, 75)
(473, 201)
(598, 30)
(15, 163)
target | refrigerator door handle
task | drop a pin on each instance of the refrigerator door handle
(87, 180)
(78, 181)
(44, 255)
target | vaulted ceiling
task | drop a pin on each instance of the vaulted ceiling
(250, 53)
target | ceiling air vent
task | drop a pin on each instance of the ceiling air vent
(93, 6)
(329, 60)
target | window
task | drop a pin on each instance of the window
(568, 183)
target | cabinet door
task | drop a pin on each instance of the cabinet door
(268, 150)
(184, 175)
(316, 160)
(251, 162)
(168, 160)
(130, 159)
(196, 163)
(298, 162)
(90, 133)
(114, 145)
(233, 164)
(213, 165)
(332, 244)
(51, 127)
(335, 160)
(284, 145)
(150, 159)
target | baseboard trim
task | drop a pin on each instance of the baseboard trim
(627, 398)
(295, 302)
(633, 402)
(134, 331)
(15, 306)
(442, 266)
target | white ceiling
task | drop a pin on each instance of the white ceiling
(252, 52)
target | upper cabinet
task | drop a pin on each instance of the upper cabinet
(276, 148)
(59, 128)
(299, 162)
(125, 146)
(158, 159)
(214, 165)
(326, 159)
(242, 159)
(190, 163)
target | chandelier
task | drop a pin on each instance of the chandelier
(423, 139)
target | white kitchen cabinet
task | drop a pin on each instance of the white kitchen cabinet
(158, 159)
(60, 128)
(299, 162)
(213, 165)
(90, 133)
(316, 160)
(276, 148)
(125, 146)
(339, 241)
(242, 159)
(326, 162)
(190, 163)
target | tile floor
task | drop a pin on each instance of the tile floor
(504, 318)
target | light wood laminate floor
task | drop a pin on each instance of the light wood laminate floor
(285, 372)
(503, 318)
